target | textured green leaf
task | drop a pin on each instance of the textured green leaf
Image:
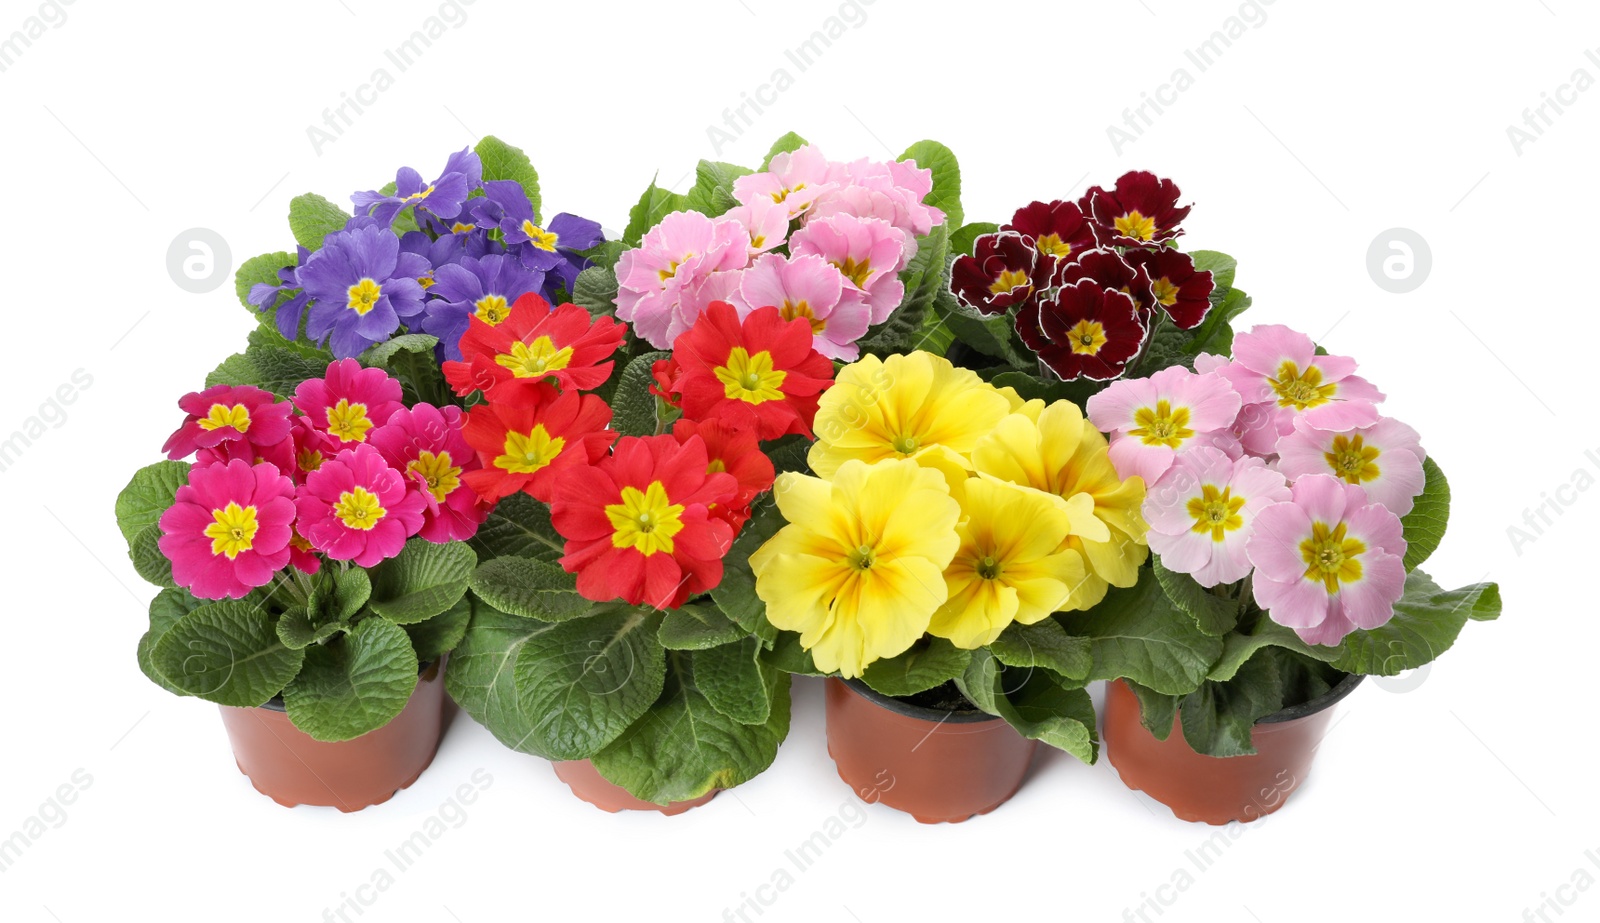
(789, 142)
(1222, 267)
(166, 609)
(272, 368)
(148, 561)
(226, 652)
(946, 194)
(595, 291)
(440, 634)
(1156, 711)
(697, 627)
(423, 580)
(149, 494)
(519, 527)
(312, 217)
(787, 655)
(965, 239)
(339, 595)
(1239, 646)
(929, 663)
(925, 276)
(529, 588)
(684, 748)
(1218, 718)
(481, 678)
(298, 631)
(655, 204)
(355, 684)
(1138, 634)
(1213, 615)
(736, 595)
(713, 188)
(633, 410)
(1426, 622)
(736, 681)
(502, 161)
(1424, 527)
(381, 354)
(588, 679)
(1215, 333)
(1044, 644)
(1035, 702)
(261, 269)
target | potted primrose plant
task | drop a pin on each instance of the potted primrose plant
(615, 604)
(1285, 514)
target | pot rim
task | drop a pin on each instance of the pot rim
(276, 703)
(1325, 701)
(919, 712)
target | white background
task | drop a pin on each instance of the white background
(1470, 797)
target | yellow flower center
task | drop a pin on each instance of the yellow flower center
(672, 267)
(419, 196)
(426, 281)
(1301, 390)
(363, 295)
(221, 415)
(783, 194)
(793, 311)
(1331, 557)
(233, 531)
(1053, 245)
(492, 309)
(1009, 279)
(989, 567)
(906, 443)
(750, 378)
(1216, 511)
(539, 237)
(645, 520)
(309, 460)
(536, 359)
(442, 476)
(1087, 337)
(1352, 459)
(1165, 291)
(359, 509)
(1162, 425)
(349, 421)
(1135, 225)
(862, 557)
(525, 454)
(461, 227)
(856, 272)
(715, 466)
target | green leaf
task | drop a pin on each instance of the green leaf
(1035, 702)
(1423, 528)
(1426, 622)
(149, 494)
(311, 218)
(787, 655)
(1222, 267)
(633, 410)
(1239, 646)
(1213, 615)
(1044, 644)
(339, 596)
(924, 278)
(736, 681)
(261, 269)
(166, 609)
(588, 679)
(519, 527)
(1218, 717)
(965, 239)
(529, 588)
(228, 653)
(264, 335)
(423, 580)
(1157, 712)
(410, 358)
(697, 627)
(482, 680)
(354, 685)
(148, 561)
(440, 635)
(1215, 333)
(992, 336)
(736, 595)
(381, 354)
(686, 747)
(655, 204)
(272, 368)
(713, 187)
(595, 291)
(929, 663)
(787, 143)
(502, 161)
(1138, 634)
(946, 194)
(298, 631)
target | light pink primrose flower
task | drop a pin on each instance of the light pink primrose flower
(1277, 371)
(869, 253)
(808, 287)
(228, 529)
(358, 508)
(1202, 512)
(1384, 459)
(765, 223)
(1328, 561)
(675, 256)
(1152, 420)
(892, 191)
(794, 178)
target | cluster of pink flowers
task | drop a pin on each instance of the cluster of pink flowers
(346, 471)
(1274, 463)
(818, 239)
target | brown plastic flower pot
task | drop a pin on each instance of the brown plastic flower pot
(937, 766)
(1218, 790)
(589, 785)
(289, 766)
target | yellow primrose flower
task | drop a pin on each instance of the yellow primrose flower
(917, 406)
(859, 570)
(1011, 566)
(1053, 449)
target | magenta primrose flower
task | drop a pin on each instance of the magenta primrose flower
(426, 443)
(348, 401)
(1328, 561)
(226, 414)
(358, 508)
(1151, 420)
(1202, 512)
(228, 529)
(1384, 459)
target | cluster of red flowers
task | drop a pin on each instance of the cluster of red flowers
(1084, 280)
(646, 519)
(346, 470)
